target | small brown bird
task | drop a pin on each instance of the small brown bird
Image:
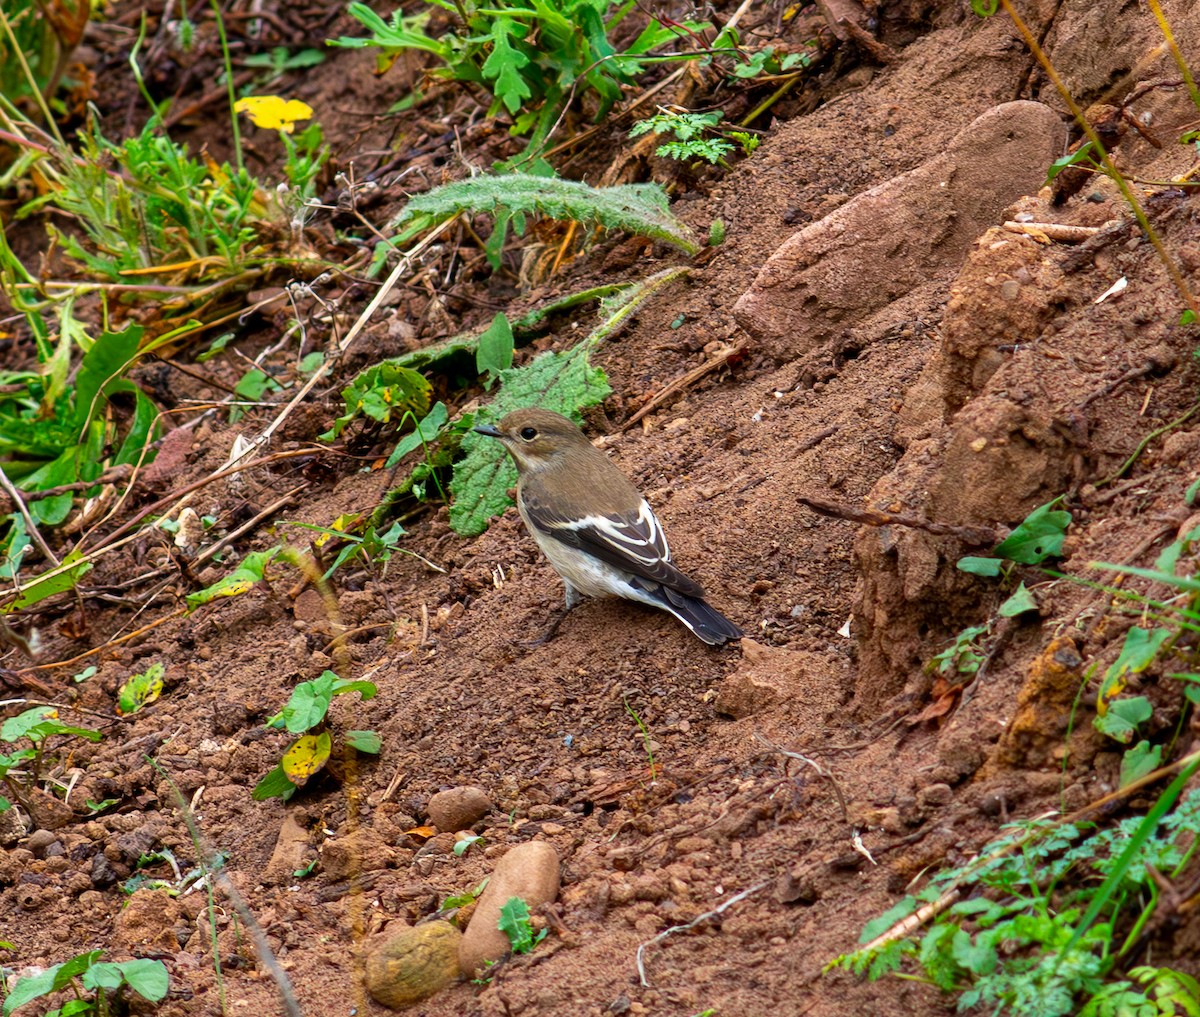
(599, 533)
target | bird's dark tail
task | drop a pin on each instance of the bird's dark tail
(698, 615)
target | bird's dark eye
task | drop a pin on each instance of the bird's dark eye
(529, 433)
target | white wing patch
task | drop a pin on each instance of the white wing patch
(640, 539)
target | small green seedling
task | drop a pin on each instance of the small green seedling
(38, 726)
(516, 925)
(1040, 536)
(304, 715)
(461, 847)
(87, 974)
(962, 657)
(696, 136)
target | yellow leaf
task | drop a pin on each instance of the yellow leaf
(274, 113)
(306, 755)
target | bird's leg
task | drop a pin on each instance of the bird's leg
(573, 597)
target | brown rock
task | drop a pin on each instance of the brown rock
(1043, 706)
(529, 871)
(148, 923)
(361, 851)
(292, 850)
(413, 964)
(458, 808)
(901, 234)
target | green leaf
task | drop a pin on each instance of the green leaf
(1188, 317)
(514, 923)
(274, 785)
(1039, 537)
(141, 689)
(425, 433)
(1138, 761)
(1085, 153)
(980, 566)
(148, 978)
(309, 701)
(1122, 718)
(1020, 602)
(382, 392)
(102, 975)
(1138, 652)
(242, 579)
(62, 577)
(504, 65)
(20, 725)
(637, 208)
(102, 366)
(495, 353)
(364, 741)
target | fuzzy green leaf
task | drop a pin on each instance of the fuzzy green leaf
(637, 208)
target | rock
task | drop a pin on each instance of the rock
(529, 871)
(935, 796)
(413, 964)
(902, 234)
(150, 922)
(458, 808)
(103, 874)
(361, 851)
(39, 842)
(12, 829)
(1043, 707)
(291, 852)
(48, 812)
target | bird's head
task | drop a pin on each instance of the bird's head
(536, 438)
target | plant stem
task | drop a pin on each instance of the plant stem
(1126, 191)
(1165, 27)
(233, 117)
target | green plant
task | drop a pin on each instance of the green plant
(21, 770)
(532, 58)
(645, 733)
(564, 382)
(964, 656)
(304, 715)
(697, 136)
(1015, 930)
(516, 924)
(36, 43)
(1038, 537)
(86, 973)
(509, 198)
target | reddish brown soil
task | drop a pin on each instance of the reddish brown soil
(954, 403)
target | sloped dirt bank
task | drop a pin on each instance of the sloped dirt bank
(983, 383)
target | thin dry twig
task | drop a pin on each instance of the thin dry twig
(1053, 231)
(978, 536)
(719, 909)
(30, 526)
(683, 381)
(823, 771)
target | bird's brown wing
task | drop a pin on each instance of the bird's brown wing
(630, 541)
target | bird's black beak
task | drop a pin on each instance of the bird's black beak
(491, 430)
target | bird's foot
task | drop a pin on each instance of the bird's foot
(550, 629)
